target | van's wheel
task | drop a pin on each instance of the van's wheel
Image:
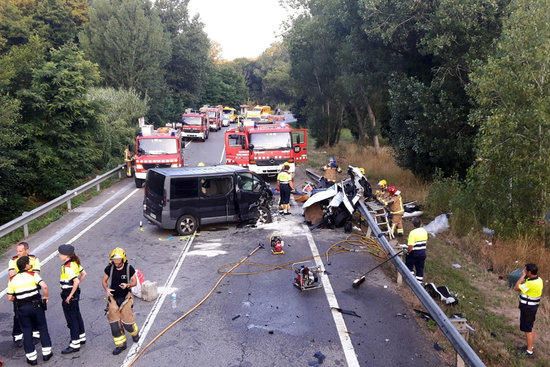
(186, 225)
(139, 182)
(264, 214)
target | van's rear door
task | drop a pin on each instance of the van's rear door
(154, 195)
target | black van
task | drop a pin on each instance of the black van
(185, 198)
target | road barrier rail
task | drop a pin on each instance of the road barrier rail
(24, 219)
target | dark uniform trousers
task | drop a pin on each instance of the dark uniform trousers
(32, 313)
(73, 317)
(415, 262)
(16, 331)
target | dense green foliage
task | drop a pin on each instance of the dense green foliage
(512, 111)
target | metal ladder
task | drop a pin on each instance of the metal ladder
(380, 214)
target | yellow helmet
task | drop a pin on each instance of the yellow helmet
(201, 164)
(383, 184)
(118, 253)
(362, 170)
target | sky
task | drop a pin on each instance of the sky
(243, 28)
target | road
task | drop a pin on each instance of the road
(251, 320)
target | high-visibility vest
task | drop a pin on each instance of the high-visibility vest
(69, 271)
(531, 291)
(284, 177)
(418, 239)
(33, 261)
(24, 286)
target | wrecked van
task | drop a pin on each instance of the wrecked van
(186, 198)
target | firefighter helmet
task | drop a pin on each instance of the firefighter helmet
(392, 189)
(118, 253)
(382, 184)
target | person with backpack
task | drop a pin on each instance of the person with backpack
(118, 280)
(72, 275)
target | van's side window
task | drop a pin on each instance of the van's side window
(183, 188)
(236, 140)
(249, 182)
(216, 186)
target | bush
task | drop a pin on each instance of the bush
(441, 193)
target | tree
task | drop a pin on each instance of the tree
(62, 128)
(511, 90)
(186, 72)
(127, 40)
(226, 85)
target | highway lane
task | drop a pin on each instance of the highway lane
(256, 320)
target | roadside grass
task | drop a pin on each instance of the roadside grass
(50, 217)
(484, 298)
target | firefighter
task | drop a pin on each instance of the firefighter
(24, 291)
(72, 275)
(529, 286)
(119, 277)
(395, 205)
(416, 250)
(331, 171)
(22, 249)
(129, 159)
(381, 193)
(284, 181)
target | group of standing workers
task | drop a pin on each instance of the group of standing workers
(30, 295)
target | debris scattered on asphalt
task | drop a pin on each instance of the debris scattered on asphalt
(346, 312)
(403, 315)
(438, 347)
(235, 317)
(320, 357)
(387, 340)
(385, 286)
(457, 266)
(270, 332)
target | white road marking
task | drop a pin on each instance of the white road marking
(53, 254)
(345, 340)
(158, 304)
(223, 154)
(186, 145)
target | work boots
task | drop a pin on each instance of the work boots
(135, 338)
(69, 350)
(119, 350)
(32, 363)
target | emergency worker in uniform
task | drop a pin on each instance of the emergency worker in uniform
(416, 250)
(72, 274)
(24, 291)
(118, 279)
(395, 205)
(284, 181)
(22, 249)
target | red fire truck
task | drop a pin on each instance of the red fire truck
(194, 125)
(156, 148)
(264, 148)
(213, 114)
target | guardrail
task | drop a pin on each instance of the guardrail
(26, 217)
(461, 346)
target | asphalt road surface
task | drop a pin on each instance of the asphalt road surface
(250, 320)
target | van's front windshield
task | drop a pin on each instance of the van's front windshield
(271, 141)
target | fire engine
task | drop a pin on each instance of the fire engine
(194, 125)
(264, 148)
(156, 148)
(213, 114)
